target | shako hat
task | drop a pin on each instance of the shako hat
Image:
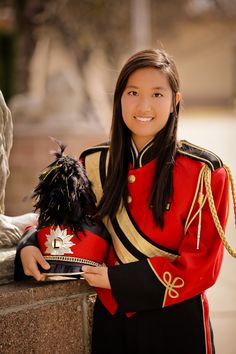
(68, 236)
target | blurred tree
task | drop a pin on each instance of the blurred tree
(7, 64)
(7, 51)
(84, 25)
(26, 18)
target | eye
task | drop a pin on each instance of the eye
(133, 93)
(157, 94)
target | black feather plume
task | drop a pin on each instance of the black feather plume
(64, 195)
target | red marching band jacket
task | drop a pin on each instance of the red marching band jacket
(162, 267)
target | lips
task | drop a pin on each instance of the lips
(144, 119)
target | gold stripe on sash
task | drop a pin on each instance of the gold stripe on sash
(93, 173)
(124, 255)
(139, 242)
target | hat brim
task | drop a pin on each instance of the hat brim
(66, 269)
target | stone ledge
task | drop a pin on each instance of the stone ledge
(46, 317)
(7, 256)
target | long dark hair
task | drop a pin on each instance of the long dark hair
(164, 147)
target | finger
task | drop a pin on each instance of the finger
(90, 269)
(41, 261)
(90, 278)
(87, 269)
(39, 276)
(30, 257)
(42, 277)
(32, 270)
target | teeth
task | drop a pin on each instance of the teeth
(143, 119)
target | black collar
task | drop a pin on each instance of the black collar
(144, 156)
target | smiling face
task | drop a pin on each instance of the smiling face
(146, 104)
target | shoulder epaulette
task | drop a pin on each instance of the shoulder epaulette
(93, 149)
(197, 153)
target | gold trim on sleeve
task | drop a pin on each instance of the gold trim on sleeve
(170, 285)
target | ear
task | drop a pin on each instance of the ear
(178, 98)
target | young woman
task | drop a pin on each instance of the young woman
(164, 203)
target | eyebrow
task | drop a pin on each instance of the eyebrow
(154, 88)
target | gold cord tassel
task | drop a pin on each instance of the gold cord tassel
(201, 201)
(207, 180)
(205, 176)
(231, 181)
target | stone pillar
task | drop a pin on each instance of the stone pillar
(46, 318)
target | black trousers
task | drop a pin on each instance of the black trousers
(178, 329)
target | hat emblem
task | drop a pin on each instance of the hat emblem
(58, 242)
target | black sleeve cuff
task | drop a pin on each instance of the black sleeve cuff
(136, 287)
(29, 238)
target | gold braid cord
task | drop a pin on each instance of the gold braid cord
(207, 180)
(201, 199)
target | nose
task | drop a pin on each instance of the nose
(144, 104)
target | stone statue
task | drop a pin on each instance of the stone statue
(6, 134)
(11, 228)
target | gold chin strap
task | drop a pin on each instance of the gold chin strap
(205, 178)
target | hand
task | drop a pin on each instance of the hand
(31, 257)
(97, 276)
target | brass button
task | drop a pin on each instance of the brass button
(131, 178)
(129, 199)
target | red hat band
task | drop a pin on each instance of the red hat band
(60, 244)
